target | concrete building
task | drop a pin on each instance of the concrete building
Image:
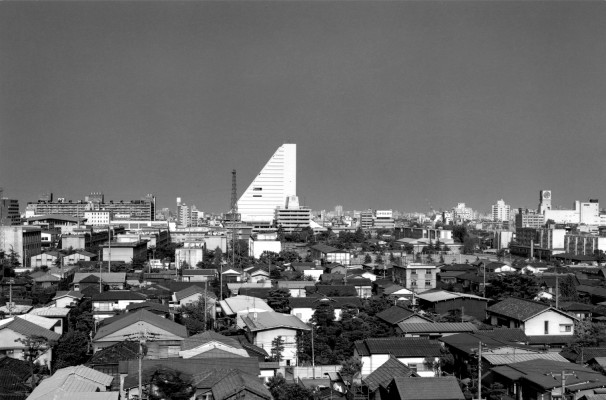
(98, 217)
(25, 240)
(418, 277)
(124, 252)
(582, 244)
(526, 218)
(462, 213)
(190, 254)
(366, 219)
(538, 242)
(586, 213)
(293, 217)
(263, 242)
(443, 235)
(384, 219)
(271, 187)
(501, 211)
(9, 212)
(502, 239)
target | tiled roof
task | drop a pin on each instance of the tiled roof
(27, 328)
(313, 302)
(436, 327)
(394, 314)
(72, 293)
(442, 388)
(322, 248)
(236, 382)
(234, 305)
(443, 295)
(272, 320)
(150, 306)
(504, 359)
(261, 293)
(513, 335)
(107, 277)
(586, 354)
(383, 375)
(399, 347)
(71, 379)
(45, 323)
(145, 316)
(115, 353)
(115, 295)
(191, 291)
(203, 272)
(333, 290)
(519, 309)
(51, 312)
(550, 339)
(47, 278)
(209, 336)
(292, 284)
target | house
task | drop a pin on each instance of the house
(81, 381)
(193, 294)
(229, 274)
(164, 336)
(69, 298)
(443, 302)
(236, 385)
(115, 280)
(413, 352)
(418, 277)
(162, 310)
(107, 304)
(382, 376)
(581, 355)
(78, 256)
(15, 375)
(396, 314)
(434, 330)
(595, 294)
(543, 324)
(235, 287)
(308, 270)
(580, 310)
(542, 379)
(328, 254)
(332, 291)
(240, 306)
(58, 314)
(410, 388)
(46, 281)
(211, 344)
(304, 307)
(257, 274)
(198, 275)
(48, 259)
(263, 328)
(296, 288)
(13, 331)
(107, 360)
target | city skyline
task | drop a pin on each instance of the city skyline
(391, 104)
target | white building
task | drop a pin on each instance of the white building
(384, 219)
(461, 212)
(98, 217)
(293, 217)
(263, 242)
(587, 213)
(501, 211)
(271, 187)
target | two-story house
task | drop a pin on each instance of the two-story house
(107, 304)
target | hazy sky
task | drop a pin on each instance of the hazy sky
(390, 103)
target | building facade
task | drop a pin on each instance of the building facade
(9, 212)
(293, 217)
(271, 187)
(24, 240)
(501, 211)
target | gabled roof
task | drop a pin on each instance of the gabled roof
(273, 320)
(144, 316)
(399, 347)
(115, 353)
(150, 306)
(71, 293)
(201, 272)
(106, 277)
(520, 309)
(71, 379)
(468, 342)
(236, 382)
(313, 302)
(394, 314)
(322, 248)
(206, 337)
(443, 295)
(383, 375)
(45, 323)
(86, 253)
(47, 278)
(115, 295)
(442, 388)
(192, 291)
(27, 328)
(436, 327)
(238, 304)
(586, 353)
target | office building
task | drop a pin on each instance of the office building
(583, 244)
(293, 217)
(366, 219)
(98, 217)
(9, 212)
(526, 218)
(271, 187)
(501, 211)
(384, 219)
(462, 213)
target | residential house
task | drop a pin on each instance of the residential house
(413, 352)
(107, 304)
(382, 376)
(308, 270)
(80, 382)
(240, 306)
(396, 314)
(211, 344)
(328, 254)
(115, 280)
(235, 287)
(296, 288)
(304, 307)
(230, 274)
(257, 274)
(544, 325)
(410, 388)
(107, 360)
(335, 268)
(58, 314)
(164, 336)
(434, 330)
(418, 277)
(15, 375)
(46, 281)
(198, 275)
(14, 331)
(263, 328)
(542, 379)
(443, 302)
(78, 256)
(47, 259)
(194, 294)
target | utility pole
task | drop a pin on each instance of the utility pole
(142, 337)
(313, 353)
(480, 371)
(10, 296)
(100, 272)
(109, 262)
(484, 285)
(564, 375)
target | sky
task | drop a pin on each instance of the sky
(399, 104)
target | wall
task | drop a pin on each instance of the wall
(371, 363)
(535, 326)
(264, 339)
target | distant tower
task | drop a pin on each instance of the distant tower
(545, 201)
(234, 194)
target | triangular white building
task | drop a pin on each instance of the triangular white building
(270, 189)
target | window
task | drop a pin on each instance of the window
(547, 327)
(413, 367)
(257, 195)
(428, 283)
(413, 283)
(257, 189)
(413, 272)
(427, 272)
(565, 328)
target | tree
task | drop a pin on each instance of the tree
(459, 233)
(217, 257)
(379, 259)
(568, 289)
(197, 316)
(587, 334)
(469, 245)
(167, 384)
(359, 236)
(324, 314)
(72, 349)
(277, 349)
(269, 257)
(367, 258)
(35, 346)
(10, 263)
(350, 368)
(81, 317)
(282, 390)
(500, 254)
(278, 299)
(280, 233)
(289, 256)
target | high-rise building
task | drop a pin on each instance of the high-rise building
(339, 211)
(526, 218)
(366, 219)
(272, 186)
(501, 211)
(293, 217)
(544, 201)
